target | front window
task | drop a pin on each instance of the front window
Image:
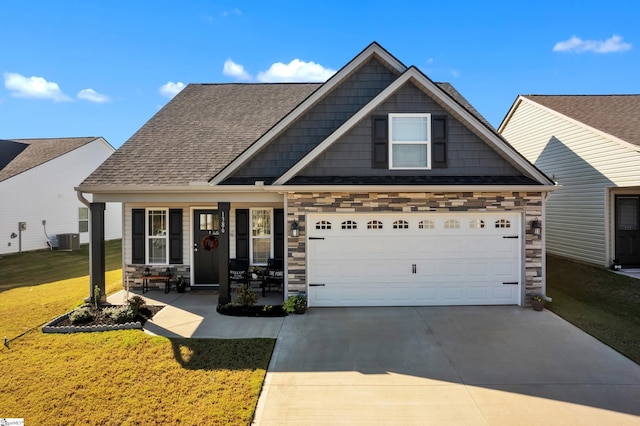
(157, 227)
(409, 141)
(261, 232)
(83, 219)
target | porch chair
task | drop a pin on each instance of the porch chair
(238, 271)
(274, 275)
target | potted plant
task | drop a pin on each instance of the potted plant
(255, 272)
(181, 285)
(297, 304)
(537, 302)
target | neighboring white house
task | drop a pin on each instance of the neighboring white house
(591, 146)
(37, 180)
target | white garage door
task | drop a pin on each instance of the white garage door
(408, 259)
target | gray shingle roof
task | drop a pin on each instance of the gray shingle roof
(20, 155)
(617, 115)
(199, 132)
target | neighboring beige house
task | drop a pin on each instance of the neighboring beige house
(378, 187)
(38, 200)
(590, 145)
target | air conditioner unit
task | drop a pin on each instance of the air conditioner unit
(68, 242)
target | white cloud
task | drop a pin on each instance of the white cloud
(92, 96)
(171, 89)
(33, 87)
(577, 45)
(237, 71)
(295, 71)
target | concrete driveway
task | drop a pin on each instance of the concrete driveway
(444, 366)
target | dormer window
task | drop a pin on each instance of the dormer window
(409, 141)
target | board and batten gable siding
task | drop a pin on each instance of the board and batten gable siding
(585, 163)
(467, 154)
(46, 192)
(318, 123)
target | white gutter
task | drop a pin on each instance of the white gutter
(412, 188)
(222, 189)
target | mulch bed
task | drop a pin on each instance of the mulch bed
(251, 311)
(99, 318)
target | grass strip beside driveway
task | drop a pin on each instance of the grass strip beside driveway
(600, 302)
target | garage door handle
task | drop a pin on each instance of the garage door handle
(316, 238)
(511, 283)
(510, 236)
(316, 285)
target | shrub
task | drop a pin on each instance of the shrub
(246, 296)
(81, 315)
(121, 314)
(137, 302)
(293, 302)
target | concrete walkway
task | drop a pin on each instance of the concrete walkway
(444, 366)
(193, 314)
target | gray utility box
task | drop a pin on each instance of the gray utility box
(68, 242)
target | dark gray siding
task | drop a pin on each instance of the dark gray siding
(468, 155)
(314, 126)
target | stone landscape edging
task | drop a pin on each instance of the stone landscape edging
(51, 327)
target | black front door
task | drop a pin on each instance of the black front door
(206, 231)
(627, 230)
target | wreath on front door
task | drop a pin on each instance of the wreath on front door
(209, 243)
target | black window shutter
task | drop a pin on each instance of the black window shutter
(242, 234)
(279, 231)
(379, 142)
(137, 236)
(175, 236)
(438, 142)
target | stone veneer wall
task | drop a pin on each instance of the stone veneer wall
(342, 202)
(134, 273)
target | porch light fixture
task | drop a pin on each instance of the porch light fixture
(295, 230)
(536, 227)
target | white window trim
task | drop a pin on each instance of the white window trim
(427, 142)
(148, 238)
(251, 237)
(83, 220)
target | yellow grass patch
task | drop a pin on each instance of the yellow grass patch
(24, 308)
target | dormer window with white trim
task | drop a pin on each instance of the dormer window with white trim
(409, 141)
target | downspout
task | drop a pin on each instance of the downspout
(86, 202)
(544, 246)
(82, 199)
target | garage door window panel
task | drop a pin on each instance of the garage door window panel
(400, 224)
(410, 141)
(349, 224)
(323, 224)
(374, 224)
(503, 223)
(476, 224)
(426, 224)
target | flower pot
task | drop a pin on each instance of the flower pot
(538, 305)
(300, 309)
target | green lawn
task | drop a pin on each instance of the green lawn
(115, 377)
(602, 303)
(45, 266)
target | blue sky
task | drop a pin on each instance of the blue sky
(103, 68)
